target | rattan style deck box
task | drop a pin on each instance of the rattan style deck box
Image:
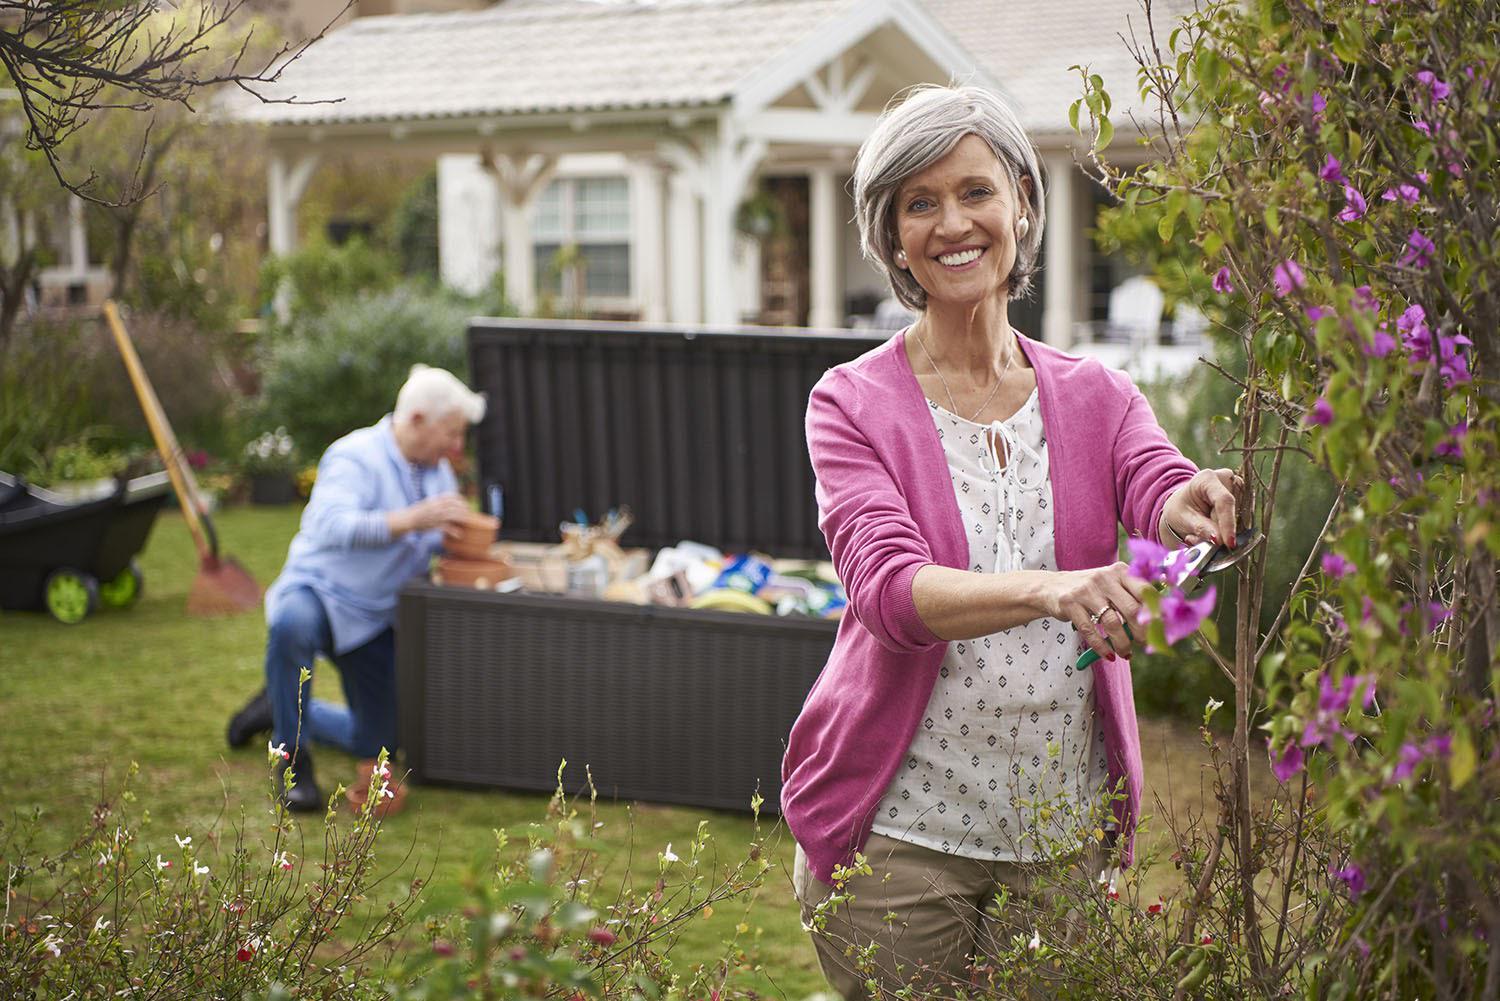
(700, 433)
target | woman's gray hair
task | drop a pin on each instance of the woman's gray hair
(914, 134)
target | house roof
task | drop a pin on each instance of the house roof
(1028, 46)
(524, 57)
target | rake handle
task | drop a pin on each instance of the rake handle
(183, 483)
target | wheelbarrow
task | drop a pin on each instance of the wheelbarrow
(67, 555)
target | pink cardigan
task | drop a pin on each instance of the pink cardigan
(886, 508)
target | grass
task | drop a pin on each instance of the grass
(151, 685)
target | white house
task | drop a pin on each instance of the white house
(635, 129)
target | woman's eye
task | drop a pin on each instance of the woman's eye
(979, 192)
(917, 205)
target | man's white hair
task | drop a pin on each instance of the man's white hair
(436, 393)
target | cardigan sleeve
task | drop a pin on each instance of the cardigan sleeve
(1148, 467)
(865, 519)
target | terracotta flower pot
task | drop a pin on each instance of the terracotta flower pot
(474, 536)
(359, 793)
(481, 574)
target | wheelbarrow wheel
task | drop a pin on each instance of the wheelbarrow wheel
(124, 589)
(70, 595)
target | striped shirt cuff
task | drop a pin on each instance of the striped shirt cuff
(370, 531)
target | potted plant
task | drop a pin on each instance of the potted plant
(270, 462)
(761, 216)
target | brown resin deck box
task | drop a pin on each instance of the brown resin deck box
(700, 433)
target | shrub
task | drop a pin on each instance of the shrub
(1321, 174)
(228, 914)
(331, 372)
(319, 274)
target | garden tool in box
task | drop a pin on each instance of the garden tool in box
(222, 585)
(1194, 562)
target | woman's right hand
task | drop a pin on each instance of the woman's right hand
(1076, 595)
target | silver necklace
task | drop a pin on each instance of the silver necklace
(951, 404)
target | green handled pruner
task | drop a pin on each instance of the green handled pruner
(1200, 560)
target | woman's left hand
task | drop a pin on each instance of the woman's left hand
(1203, 508)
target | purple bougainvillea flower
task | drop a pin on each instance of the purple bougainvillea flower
(1288, 276)
(1415, 334)
(1354, 205)
(1334, 699)
(1436, 87)
(1453, 364)
(1422, 127)
(1321, 413)
(1353, 877)
(1419, 250)
(1286, 764)
(1408, 193)
(1332, 170)
(1318, 103)
(1181, 615)
(1222, 284)
(1147, 559)
(1362, 946)
(1407, 760)
(1176, 566)
(1381, 343)
(1365, 296)
(1453, 443)
(1316, 313)
(1439, 745)
(1335, 566)
(1438, 613)
(1366, 609)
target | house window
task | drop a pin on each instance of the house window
(593, 214)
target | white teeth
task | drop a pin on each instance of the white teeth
(962, 257)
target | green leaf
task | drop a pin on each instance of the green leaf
(1461, 763)
(1073, 114)
(1106, 134)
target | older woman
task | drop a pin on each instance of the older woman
(970, 482)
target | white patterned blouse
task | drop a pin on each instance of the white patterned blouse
(1010, 723)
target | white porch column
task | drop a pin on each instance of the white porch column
(685, 251)
(823, 264)
(1060, 270)
(520, 179)
(78, 239)
(285, 185)
(648, 263)
(731, 162)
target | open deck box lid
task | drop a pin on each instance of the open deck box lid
(700, 433)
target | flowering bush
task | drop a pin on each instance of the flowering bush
(269, 454)
(213, 913)
(1324, 184)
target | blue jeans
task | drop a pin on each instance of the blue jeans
(300, 632)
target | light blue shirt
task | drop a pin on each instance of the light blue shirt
(344, 550)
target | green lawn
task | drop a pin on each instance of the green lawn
(78, 704)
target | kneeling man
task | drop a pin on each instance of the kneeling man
(383, 496)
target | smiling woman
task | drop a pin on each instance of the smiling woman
(970, 483)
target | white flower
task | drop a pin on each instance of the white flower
(53, 944)
(162, 863)
(182, 842)
(669, 855)
(1036, 941)
(385, 792)
(274, 751)
(200, 870)
(281, 861)
(100, 924)
(384, 771)
(104, 859)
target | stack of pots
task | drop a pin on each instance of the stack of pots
(469, 559)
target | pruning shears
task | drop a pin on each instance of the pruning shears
(1194, 563)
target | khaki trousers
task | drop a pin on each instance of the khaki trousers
(926, 913)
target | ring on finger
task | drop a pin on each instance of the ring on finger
(1101, 614)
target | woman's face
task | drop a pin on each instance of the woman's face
(956, 223)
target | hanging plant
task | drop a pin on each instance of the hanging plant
(761, 216)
